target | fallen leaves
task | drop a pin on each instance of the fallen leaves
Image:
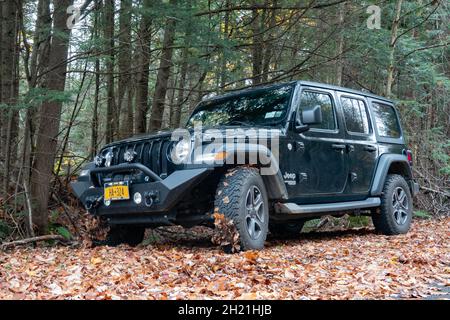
(251, 256)
(96, 260)
(225, 233)
(352, 264)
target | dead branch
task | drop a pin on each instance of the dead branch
(443, 193)
(5, 245)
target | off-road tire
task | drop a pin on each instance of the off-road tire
(386, 218)
(286, 230)
(230, 200)
(130, 235)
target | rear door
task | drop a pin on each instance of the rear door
(361, 143)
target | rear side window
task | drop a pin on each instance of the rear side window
(310, 99)
(356, 115)
(386, 120)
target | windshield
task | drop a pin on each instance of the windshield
(261, 108)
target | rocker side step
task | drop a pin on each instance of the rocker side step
(305, 209)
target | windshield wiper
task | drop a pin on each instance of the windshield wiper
(247, 124)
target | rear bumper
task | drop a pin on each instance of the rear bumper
(159, 196)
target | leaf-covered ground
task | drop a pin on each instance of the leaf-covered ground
(351, 264)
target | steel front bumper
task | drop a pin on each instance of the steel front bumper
(158, 196)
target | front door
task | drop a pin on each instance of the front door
(320, 157)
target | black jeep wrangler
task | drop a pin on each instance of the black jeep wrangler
(269, 158)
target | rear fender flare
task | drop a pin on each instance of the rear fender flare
(384, 164)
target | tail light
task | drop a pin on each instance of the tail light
(409, 156)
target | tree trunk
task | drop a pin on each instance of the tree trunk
(50, 116)
(394, 31)
(144, 48)
(111, 110)
(9, 86)
(226, 36)
(171, 106)
(34, 64)
(268, 52)
(41, 42)
(94, 126)
(95, 122)
(175, 117)
(340, 45)
(124, 66)
(256, 47)
(162, 78)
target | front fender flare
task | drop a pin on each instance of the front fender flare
(271, 174)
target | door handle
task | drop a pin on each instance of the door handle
(339, 146)
(370, 148)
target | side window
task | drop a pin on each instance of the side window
(356, 115)
(310, 99)
(386, 120)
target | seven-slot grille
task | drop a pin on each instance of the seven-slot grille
(151, 153)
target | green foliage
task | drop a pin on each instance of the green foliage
(5, 229)
(441, 153)
(421, 214)
(310, 225)
(358, 221)
(64, 232)
(151, 239)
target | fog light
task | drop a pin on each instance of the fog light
(107, 203)
(137, 198)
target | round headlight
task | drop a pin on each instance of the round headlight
(108, 158)
(181, 151)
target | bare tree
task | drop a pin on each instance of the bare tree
(392, 45)
(162, 79)
(9, 85)
(144, 40)
(111, 110)
(50, 116)
(125, 88)
(257, 57)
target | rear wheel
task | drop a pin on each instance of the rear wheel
(241, 196)
(286, 229)
(395, 214)
(130, 235)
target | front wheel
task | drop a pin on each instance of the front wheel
(242, 197)
(395, 214)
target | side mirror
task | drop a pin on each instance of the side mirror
(312, 116)
(308, 117)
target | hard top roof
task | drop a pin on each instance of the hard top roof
(301, 82)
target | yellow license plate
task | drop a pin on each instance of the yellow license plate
(117, 191)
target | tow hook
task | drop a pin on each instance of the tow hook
(92, 203)
(150, 198)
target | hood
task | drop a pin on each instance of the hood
(140, 137)
(250, 130)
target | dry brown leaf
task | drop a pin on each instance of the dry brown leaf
(349, 264)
